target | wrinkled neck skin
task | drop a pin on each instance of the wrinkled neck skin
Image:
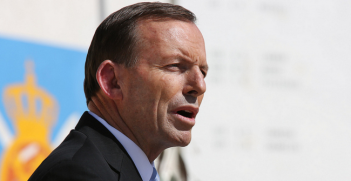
(107, 110)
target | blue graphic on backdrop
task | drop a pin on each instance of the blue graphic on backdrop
(42, 98)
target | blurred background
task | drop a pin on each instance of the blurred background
(278, 100)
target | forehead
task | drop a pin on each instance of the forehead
(170, 37)
(152, 27)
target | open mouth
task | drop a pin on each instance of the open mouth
(186, 113)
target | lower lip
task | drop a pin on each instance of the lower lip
(190, 121)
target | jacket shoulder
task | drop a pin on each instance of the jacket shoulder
(77, 158)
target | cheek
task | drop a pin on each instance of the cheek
(170, 86)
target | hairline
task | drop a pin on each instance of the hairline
(137, 36)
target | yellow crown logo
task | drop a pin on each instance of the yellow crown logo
(33, 111)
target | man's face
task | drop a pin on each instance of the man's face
(163, 91)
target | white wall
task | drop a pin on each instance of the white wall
(278, 96)
(278, 100)
(67, 23)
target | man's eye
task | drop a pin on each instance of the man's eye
(173, 66)
(204, 73)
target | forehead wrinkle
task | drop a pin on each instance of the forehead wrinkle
(153, 36)
(190, 57)
(192, 52)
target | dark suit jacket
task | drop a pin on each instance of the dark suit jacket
(90, 152)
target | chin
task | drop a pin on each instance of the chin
(184, 138)
(184, 144)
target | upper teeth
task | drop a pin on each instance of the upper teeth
(187, 111)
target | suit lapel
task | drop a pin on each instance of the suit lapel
(112, 150)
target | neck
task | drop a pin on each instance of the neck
(107, 110)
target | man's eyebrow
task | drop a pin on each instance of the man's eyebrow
(183, 57)
(186, 58)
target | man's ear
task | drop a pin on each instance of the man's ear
(108, 80)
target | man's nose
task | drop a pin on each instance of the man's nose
(195, 85)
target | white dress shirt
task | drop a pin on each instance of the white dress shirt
(139, 158)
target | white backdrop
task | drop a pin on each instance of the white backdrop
(278, 100)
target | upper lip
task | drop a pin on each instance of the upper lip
(188, 108)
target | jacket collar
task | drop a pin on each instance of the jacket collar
(112, 150)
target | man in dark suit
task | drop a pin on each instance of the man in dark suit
(144, 83)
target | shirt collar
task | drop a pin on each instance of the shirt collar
(145, 168)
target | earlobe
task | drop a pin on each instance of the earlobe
(107, 78)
